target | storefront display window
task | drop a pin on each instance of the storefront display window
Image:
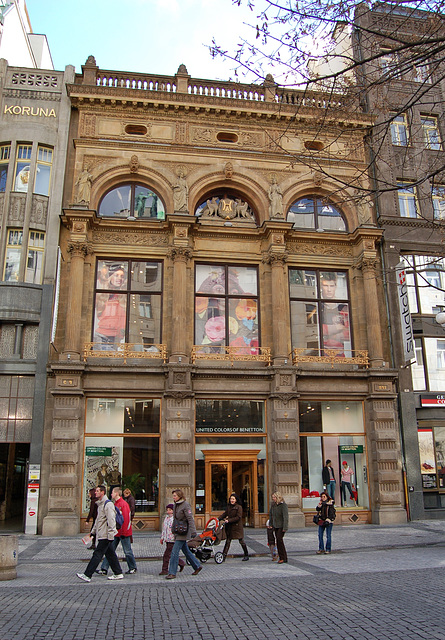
(122, 448)
(432, 457)
(229, 316)
(340, 438)
(320, 311)
(131, 313)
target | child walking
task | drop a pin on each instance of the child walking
(169, 538)
(271, 542)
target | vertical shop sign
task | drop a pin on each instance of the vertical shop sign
(405, 315)
(32, 499)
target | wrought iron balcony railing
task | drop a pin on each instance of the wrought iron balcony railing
(331, 356)
(124, 350)
(209, 352)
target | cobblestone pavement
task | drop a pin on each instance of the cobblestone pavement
(379, 583)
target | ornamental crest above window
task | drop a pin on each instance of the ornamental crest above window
(227, 207)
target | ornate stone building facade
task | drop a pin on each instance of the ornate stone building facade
(218, 319)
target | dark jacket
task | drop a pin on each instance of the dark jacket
(279, 516)
(234, 528)
(92, 514)
(327, 510)
(131, 503)
(183, 511)
(326, 476)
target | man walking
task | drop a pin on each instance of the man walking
(123, 535)
(105, 530)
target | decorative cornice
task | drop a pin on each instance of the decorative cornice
(179, 395)
(123, 236)
(284, 397)
(398, 221)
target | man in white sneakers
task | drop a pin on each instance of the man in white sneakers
(105, 530)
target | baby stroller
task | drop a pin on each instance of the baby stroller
(203, 545)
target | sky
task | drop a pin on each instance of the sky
(147, 36)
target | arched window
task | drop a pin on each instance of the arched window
(316, 213)
(132, 200)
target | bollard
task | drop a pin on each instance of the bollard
(8, 557)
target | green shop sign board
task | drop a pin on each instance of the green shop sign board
(351, 448)
(98, 451)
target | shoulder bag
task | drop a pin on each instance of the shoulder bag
(180, 527)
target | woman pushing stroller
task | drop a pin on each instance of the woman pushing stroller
(233, 518)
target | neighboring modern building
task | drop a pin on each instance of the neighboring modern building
(411, 108)
(18, 44)
(221, 326)
(34, 125)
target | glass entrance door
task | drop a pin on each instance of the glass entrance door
(229, 472)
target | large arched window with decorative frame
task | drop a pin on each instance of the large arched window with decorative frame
(132, 200)
(314, 212)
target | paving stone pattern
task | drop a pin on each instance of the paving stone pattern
(364, 590)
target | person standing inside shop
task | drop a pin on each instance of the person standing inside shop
(182, 513)
(279, 520)
(326, 514)
(328, 479)
(346, 480)
(233, 518)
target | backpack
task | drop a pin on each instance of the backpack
(119, 516)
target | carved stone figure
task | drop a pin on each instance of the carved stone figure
(83, 184)
(134, 164)
(228, 170)
(363, 207)
(181, 192)
(275, 200)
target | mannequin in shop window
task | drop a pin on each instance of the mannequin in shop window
(328, 479)
(346, 483)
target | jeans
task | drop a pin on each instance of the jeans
(103, 547)
(331, 489)
(321, 530)
(279, 534)
(126, 546)
(343, 490)
(181, 545)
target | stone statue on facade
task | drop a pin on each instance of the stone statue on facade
(83, 184)
(181, 192)
(275, 200)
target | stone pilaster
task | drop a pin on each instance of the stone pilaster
(280, 328)
(284, 442)
(65, 474)
(368, 267)
(178, 443)
(384, 454)
(78, 252)
(180, 256)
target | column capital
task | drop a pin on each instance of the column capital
(180, 254)
(275, 258)
(79, 249)
(368, 264)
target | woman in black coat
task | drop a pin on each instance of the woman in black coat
(233, 518)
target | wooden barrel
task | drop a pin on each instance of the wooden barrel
(9, 551)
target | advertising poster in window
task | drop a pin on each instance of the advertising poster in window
(427, 459)
(102, 466)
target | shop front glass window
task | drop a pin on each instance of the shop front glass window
(320, 311)
(333, 431)
(128, 304)
(122, 449)
(226, 308)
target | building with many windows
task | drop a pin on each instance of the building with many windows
(34, 125)
(411, 157)
(220, 323)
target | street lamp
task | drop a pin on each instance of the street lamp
(440, 318)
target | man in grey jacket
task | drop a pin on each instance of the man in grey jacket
(105, 530)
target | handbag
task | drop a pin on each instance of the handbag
(316, 519)
(180, 527)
